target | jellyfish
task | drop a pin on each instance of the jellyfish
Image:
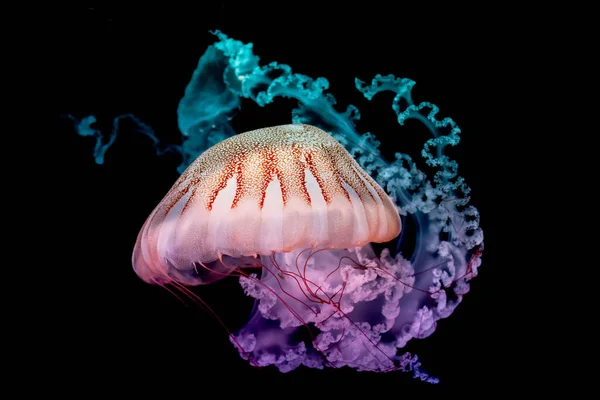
(295, 212)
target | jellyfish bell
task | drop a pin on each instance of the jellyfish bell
(273, 191)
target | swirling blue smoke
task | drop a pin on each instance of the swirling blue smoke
(449, 240)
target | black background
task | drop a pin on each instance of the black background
(106, 324)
